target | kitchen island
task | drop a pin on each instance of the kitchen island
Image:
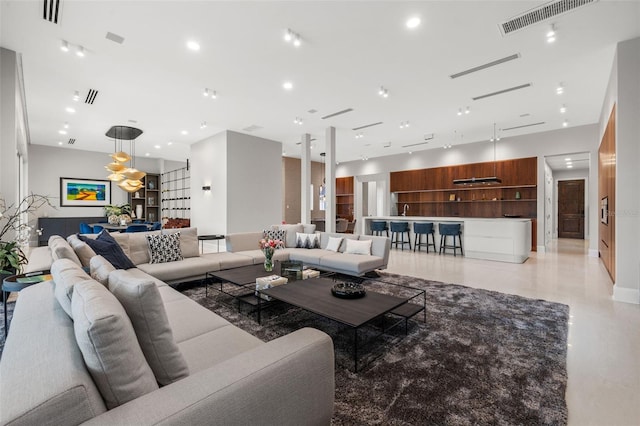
(501, 239)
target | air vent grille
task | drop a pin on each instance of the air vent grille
(500, 92)
(524, 125)
(50, 10)
(115, 38)
(541, 13)
(91, 97)
(367, 125)
(252, 128)
(344, 111)
(71, 141)
(415, 144)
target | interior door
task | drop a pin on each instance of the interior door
(571, 209)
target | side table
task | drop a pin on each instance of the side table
(11, 285)
(203, 238)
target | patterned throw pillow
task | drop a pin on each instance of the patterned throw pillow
(275, 234)
(164, 248)
(308, 241)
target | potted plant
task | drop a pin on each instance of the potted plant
(15, 231)
(117, 213)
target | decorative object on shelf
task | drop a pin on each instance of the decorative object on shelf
(116, 213)
(15, 232)
(151, 201)
(139, 211)
(452, 197)
(518, 196)
(268, 247)
(347, 290)
(151, 185)
(84, 192)
(129, 178)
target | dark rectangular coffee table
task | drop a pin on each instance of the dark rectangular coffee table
(244, 278)
(314, 295)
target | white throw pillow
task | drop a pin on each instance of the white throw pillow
(334, 243)
(358, 246)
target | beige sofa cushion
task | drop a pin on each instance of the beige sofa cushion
(82, 249)
(66, 274)
(100, 268)
(142, 302)
(138, 246)
(188, 240)
(109, 346)
(60, 249)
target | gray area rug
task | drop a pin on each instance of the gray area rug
(482, 357)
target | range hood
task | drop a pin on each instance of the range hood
(477, 181)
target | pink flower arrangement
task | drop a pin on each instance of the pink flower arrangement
(269, 245)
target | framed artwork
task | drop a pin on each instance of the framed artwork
(84, 192)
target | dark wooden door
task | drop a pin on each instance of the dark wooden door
(571, 209)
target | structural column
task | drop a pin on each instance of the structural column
(305, 179)
(330, 173)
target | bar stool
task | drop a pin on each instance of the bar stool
(400, 228)
(420, 229)
(450, 230)
(378, 227)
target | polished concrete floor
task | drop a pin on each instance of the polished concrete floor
(604, 336)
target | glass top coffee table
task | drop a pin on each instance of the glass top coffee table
(314, 295)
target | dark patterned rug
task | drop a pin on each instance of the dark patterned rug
(482, 357)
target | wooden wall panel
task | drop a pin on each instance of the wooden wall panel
(607, 189)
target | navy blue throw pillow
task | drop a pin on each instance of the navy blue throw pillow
(109, 248)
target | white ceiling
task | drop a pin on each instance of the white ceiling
(349, 50)
(577, 161)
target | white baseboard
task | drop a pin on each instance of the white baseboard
(627, 295)
(594, 253)
(541, 249)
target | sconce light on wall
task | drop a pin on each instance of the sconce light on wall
(206, 188)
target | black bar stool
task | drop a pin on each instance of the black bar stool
(450, 230)
(420, 229)
(378, 227)
(400, 228)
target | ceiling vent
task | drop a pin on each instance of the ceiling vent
(312, 111)
(524, 125)
(252, 128)
(344, 111)
(541, 13)
(91, 97)
(50, 10)
(71, 141)
(500, 92)
(115, 38)
(487, 65)
(367, 125)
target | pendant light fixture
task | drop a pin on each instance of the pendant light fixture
(129, 178)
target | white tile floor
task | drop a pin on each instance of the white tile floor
(604, 336)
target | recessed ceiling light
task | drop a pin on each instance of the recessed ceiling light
(565, 123)
(567, 159)
(569, 166)
(66, 125)
(184, 132)
(169, 143)
(193, 45)
(157, 146)
(60, 143)
(287, 85)
(70, 110)
(413, 22)
(62, 132)
(146, 154)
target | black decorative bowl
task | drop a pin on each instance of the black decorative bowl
(348, 290)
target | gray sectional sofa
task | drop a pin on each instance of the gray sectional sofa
(49, 377)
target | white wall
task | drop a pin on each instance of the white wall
(209, 167)
(254, 179)
(556, 142)
(8, 126)
(548, 207)
(48, 164)
(244, 172)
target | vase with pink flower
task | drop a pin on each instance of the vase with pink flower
(268, 247)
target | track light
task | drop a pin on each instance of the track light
(467, 111)
(203, 125)
(563, 109)
(565, 123)
(205, 93)
(288, 35)
(383, 92)
(208, 93)
(560, 89)
(296, 41)
(76, 96)
(551, 34)
(298, 121)
(64, 46)
(404, 124)
(80, 51)
(359, 135)
(447, 146)
(292, 37)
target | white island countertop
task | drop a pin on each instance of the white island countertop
(504, 239)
